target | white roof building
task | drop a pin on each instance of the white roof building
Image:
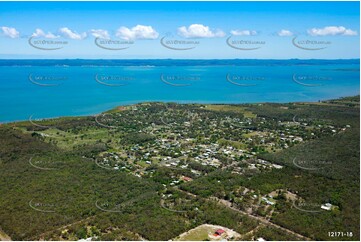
(326, 206)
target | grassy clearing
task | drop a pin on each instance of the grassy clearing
(231, 108)
(201, 233)
(198, 234)
(68, 140)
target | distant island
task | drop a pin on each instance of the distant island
(76, 87)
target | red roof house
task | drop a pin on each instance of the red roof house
(185, 178)
(219, 232)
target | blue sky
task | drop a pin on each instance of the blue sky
(323, 30)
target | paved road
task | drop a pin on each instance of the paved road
(260, 219)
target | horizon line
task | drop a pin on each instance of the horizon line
(176, 59)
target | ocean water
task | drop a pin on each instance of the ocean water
(54, 88)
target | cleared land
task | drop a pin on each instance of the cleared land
(203, 231)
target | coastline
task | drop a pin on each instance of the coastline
(71, 87)
(161, 102)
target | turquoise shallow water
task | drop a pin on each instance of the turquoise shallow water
(45, 88)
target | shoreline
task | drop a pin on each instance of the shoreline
(165, 102)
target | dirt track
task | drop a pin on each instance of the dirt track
(4, 237)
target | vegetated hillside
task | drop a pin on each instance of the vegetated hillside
(69, 193)
(321, 170)
(51, 177)
(336, 155)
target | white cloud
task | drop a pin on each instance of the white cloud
(41, 33)
(100, 33)
(331, 30)
(350, 32)
(243, 32)
(67, 33)
(137, 32)
(284, 32)
(199, 31)
(10, 32)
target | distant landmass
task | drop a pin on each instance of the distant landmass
(172, 62)
(55, 88)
